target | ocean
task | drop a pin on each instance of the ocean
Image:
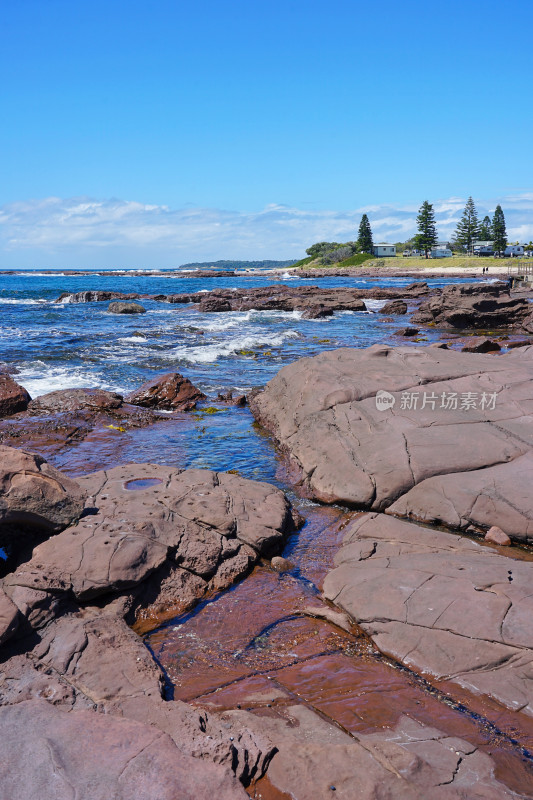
(65, 345)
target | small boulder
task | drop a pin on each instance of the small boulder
(406, 331)
(170, 391)
(34, 495)
(122, 307)
(481, 344)
(281, 564)
(75, 400)
(13, 398)
(394, 307)
(495, 535)
(227, 397)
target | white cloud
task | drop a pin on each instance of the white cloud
(80, 232)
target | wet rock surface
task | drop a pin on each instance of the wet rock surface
(64, 400)
(352, 445)
(34, 497)
(122, 307)
(143, 526)
(317, 760)
(13, 397)
(170, 391)
(140, 518)
(312, 301)
(485, 306)
(443, 604)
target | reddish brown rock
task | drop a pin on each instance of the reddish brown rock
(394, 307)
(50, 754)
(409, 331)
(318, 761)
(34, 495)
(498, 495)
(123, 307)
(480, 344)
(95, 296)
(439, 603)
(495, 535)
(353, 446)
(169, 391)
(478, 306)
(64, 400)
(13, 398)
(147, 517)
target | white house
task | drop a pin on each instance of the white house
(514, 250)
(384, 250)
(441, 251)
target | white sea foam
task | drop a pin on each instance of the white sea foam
(374, 305)
(38, 378)
(135, 339)
(16, 301)
(288, 276)
(207, 353)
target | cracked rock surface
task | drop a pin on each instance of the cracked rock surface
(439, 603)
(451, 419)
(201, 529)
(317, 761)
(150, 538)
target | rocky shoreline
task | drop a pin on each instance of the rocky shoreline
(424, 451)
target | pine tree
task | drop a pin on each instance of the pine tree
(485, 230)
(499, 231)
(467, 230)
(426, 238)
(365, 243)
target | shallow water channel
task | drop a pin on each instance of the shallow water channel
(257, 647)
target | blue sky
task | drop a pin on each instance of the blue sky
(275, 115)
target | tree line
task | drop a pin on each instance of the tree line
(469, 230)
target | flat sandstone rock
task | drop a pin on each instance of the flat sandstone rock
(441, 604)
(367, 427)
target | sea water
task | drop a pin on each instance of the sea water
(65, 345)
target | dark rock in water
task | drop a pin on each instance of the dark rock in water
(518, 343)
(74, 400)
(169, 391)
(481, 344)
(381, 426)
(281, 564)
(13, 398)
(34, 495)
(95, 296)
(406, 331)
(8, 369)
(439, 603)
(54, 755)
(121, 307)
(473, 306)
(313, 302)
(228, 397)
(215, 305)
(394, 307)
